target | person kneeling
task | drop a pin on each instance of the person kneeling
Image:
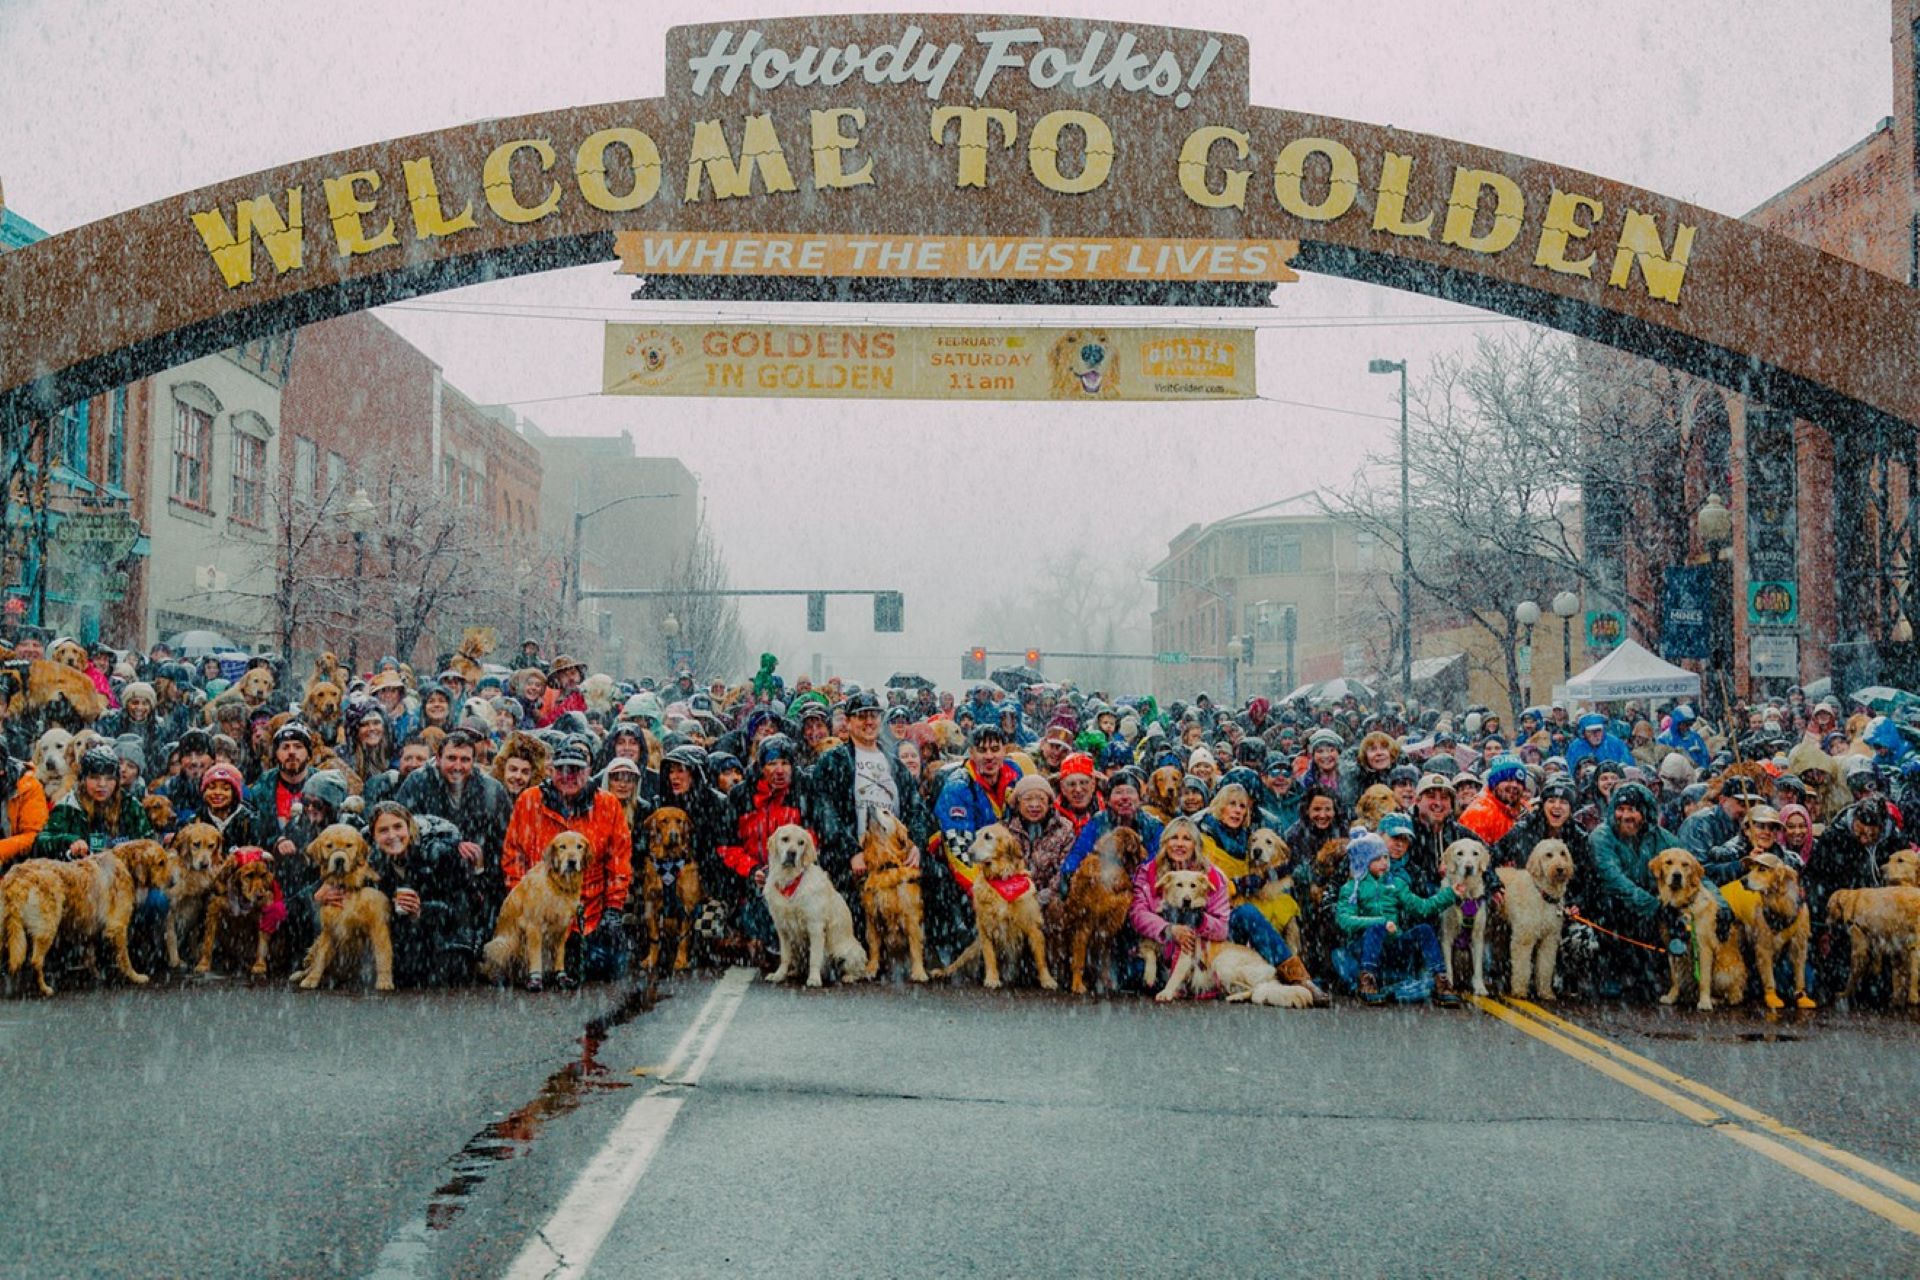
(437, 905)
(1387, 919)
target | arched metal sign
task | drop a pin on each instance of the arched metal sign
(1103, 147)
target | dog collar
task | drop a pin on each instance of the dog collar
(792, 886)
(1011, 887)
(1470, 907)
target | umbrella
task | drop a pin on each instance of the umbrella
(1821, 688)
(197, 644)
(1339, 687)
(1882, 698)
(909, 680)
(1304, 691)
(1013, 679)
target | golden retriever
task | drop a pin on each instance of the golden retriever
(1006, 910)
(50, 762)
(1093, 914)
(667, 914)
(1375, 803)
(238, 914)
(69, 653)
(1884, 924)
(1268, 856)
(1772, 910)
(890, 895)
(41, 685)
(1211, 966)
(195, 854)
(251, 691)
(1532, 907)
(1712, 962)
(808, 912)
(1902, 868)
(160, 814)
(84, 901)
(535, 918)
(359, 923)
(1464, 865)
(1084, 364)
(1162, 799)
(320, 710)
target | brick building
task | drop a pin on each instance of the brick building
(1825, 545)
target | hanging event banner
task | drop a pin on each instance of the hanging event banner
(1773, 520)
(1087, 362)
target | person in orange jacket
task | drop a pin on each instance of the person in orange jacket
(569, 800)
(24, 810)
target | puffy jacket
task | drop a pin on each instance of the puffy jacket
(67, 822)
(1705, 829)
(26, 816)
(1144, 915)
(1840, 861)
(1687, 741)
(966, 805)
(758, 811)
(541, 814)
(1046, 847)
(1387, 899)
(1143, 822)
(1489, 819)
(441, 943)
(1615, 886)
(1610, 748)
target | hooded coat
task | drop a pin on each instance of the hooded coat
(481, 815)
(1834, 796)
(827, 798)
(1615, 886)
(542, 813)
(439, 946)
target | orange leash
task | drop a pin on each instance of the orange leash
(1644, 946)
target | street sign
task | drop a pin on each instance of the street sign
(1172, 658)
(1523, 659)
(1774, 655)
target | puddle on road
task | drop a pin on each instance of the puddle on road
(515, 1134)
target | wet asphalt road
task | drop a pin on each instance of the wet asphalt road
(223, 1131)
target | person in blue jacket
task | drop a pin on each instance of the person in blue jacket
(1596, 743)
(1682, 736)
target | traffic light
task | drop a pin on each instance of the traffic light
(816, 611)
(1246, 647)
(889, 611)
(973, 664)
(1033, 659)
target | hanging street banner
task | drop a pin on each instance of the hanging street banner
(1090, 363)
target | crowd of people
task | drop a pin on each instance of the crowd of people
(459, 780)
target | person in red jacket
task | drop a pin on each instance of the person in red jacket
(569, 800)
(759, 804)
(1504, 802)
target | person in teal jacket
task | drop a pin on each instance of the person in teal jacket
(1615, 891)
(1384, 916)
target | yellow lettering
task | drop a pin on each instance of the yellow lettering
(344, 207)
(1563, 224)
(1662, 271)
(430, 219)
(232, 247)
(974, 139)
(1390, 206)
(1463, 210)
(1290, 171)
(497, 177)
(1193, 168)
(1043, 151)
(590, 169)
(830, 146)
(759, 148)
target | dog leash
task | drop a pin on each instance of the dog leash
(1577, 918)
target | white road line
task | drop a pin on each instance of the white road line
(565, 1246)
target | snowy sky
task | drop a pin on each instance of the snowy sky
(1719, 102)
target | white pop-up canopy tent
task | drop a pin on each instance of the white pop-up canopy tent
(1630, 671)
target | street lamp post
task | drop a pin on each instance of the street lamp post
(669, 632)
(571, 596)
(522, 578)
(1406, 551)
(1566, 604)
(1527, 614)
(360, 515)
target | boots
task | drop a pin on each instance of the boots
(1370, 992)
(1443, 993)
(1295, 972)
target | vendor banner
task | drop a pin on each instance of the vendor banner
(875, 362)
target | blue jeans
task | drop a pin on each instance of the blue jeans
(1249, 928)
(1377, 945)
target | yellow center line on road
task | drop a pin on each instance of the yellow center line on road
(1612, 1061)
(1779, 1128)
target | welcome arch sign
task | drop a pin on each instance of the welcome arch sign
(948, 146)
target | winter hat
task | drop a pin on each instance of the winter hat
(1194, 782)
(99, 761)
(138, 689)
(1506, 769)
(328, 787)
(1201, 755)
(620, 764)
(1396, 824)
(224, 772)
(1030, 782)
(1078, 762)
(1559, 789)
(1363, 846)
(1325, 738)
(128, 746)
(1677, 770)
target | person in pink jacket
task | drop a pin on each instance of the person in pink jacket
(1218, 922)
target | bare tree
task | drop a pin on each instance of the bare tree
(709, 625)
(1500, 444)
(435, 562)
(1075, 603)
(294, 576)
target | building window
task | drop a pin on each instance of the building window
(336, 473)
(306, 468)
(72, 431)
(1365, 546)
(192, 454)
(117, 440)
(1265, 554)
(249, 477)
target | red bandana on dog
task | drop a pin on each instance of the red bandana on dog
(792, 887)
(1012, 886)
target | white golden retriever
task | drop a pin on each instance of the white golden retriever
(1463, 864)
(1238, 971)
(1535, 913)
(808, 912)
